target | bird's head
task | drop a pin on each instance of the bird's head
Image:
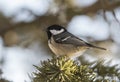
(55, 30)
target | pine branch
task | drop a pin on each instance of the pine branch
(57, 69)
(62, 69)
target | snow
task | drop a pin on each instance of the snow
(95, 28)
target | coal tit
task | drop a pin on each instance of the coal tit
(62, 42)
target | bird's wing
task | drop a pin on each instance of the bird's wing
(68, 38)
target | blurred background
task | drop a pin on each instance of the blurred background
(23, 41)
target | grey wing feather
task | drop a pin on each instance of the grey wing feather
(68, 38)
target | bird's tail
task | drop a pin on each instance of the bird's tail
(90, 45)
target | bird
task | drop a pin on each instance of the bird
(63, 43)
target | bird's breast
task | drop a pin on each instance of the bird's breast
(65, 49)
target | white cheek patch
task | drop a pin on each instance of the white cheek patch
(55, 32)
